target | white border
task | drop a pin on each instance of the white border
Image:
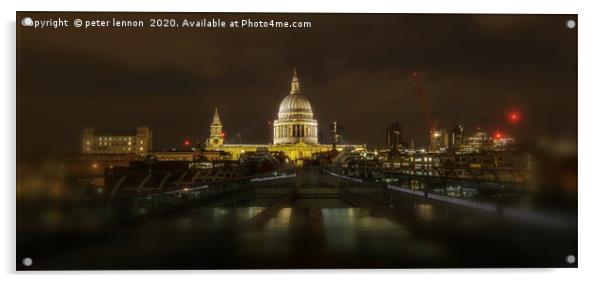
(590, 46)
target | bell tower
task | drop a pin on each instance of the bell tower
(216, 137)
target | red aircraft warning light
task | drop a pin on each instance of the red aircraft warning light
(186, 143)
(513, 117)
(222, 134)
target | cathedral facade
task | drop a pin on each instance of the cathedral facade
(295, 131)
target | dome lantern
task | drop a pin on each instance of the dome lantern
(295, 105)
(295, 89)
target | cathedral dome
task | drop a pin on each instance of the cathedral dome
(295, 105)
(295, 123)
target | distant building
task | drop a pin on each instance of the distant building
(439, 140)
(503, 141)
(490, 165)
(124, 141)
(394, 135)
(336, 133)
(190, 155)
(508, 165)
(456, 137)
(477, 141)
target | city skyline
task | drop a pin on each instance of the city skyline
(474, 69)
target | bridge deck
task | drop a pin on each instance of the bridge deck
(302, 220)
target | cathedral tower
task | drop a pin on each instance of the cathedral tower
(216, 136)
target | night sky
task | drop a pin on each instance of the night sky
(355, 69)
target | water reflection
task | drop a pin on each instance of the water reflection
(281, 222)
(215, 217)
(349, 229)
(425, 211)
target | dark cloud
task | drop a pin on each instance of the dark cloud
(354, 69)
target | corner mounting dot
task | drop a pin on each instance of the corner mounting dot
(571, 24)
(27, 261)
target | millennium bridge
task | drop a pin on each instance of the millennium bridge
(307, 217)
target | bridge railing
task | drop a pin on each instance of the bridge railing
(463, 188)
(533, 215)
(149, 203)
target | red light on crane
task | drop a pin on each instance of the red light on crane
(513, 117)
(497, 135)
(186, 142)
(222, 134)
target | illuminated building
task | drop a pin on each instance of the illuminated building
(216, 136)
(419, 164)
(138, 141)
(477, 141)
(456, 137)
(190, 155)
(439, 140)
(503, 141)
(499, 166)
(295, 131)
(295, 123)
(336, 133)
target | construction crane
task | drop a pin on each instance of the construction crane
(423, 103)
